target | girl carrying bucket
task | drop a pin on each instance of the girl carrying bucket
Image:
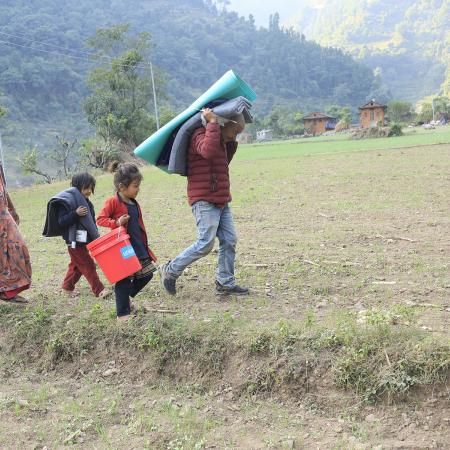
(123, 210)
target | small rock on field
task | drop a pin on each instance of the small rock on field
(371, 418)
(72, 437)
(290, 443)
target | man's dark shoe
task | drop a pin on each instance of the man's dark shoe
(235, 290)
(167, 280)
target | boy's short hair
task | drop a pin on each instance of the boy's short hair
(83, 180)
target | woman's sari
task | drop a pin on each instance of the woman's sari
(15, 266)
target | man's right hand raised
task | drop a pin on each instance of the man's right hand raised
(209, 115)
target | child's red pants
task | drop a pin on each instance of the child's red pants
(81, 263)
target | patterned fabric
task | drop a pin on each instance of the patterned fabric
(15, 267)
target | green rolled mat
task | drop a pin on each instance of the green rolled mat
(227, 87)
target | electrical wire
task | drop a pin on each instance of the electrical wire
(94, 55)
(63, 54)
(49, 45)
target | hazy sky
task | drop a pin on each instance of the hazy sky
(261, 9)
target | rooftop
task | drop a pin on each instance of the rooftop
(317, 115)
(372, 104)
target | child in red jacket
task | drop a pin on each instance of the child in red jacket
(123, 210)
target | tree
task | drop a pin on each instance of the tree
(441, 109)
(400, 111)
(94, 153)
(166, 114)
(120, 106)
(284, 122)
(29, 164)
(426, 113)
(344, 114)
(3, 110)
(274, 22)
(65, 155)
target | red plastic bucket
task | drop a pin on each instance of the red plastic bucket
(115, 255)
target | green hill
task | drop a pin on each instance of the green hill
(406, 41)
(44, 61)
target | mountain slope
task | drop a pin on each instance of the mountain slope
(406, 41)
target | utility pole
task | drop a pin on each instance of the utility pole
(432, 106)
(154, 96)
(2, 158)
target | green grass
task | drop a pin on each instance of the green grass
(342, 143)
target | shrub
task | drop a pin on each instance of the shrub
(396, 130)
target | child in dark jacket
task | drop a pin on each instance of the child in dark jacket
(81, 262)
(123, 210)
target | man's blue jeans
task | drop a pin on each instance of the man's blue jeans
(211, 222)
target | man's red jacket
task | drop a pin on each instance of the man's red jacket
(208, 160)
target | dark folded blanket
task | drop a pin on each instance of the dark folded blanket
(230, 108)
(71, 198)
(180, 147)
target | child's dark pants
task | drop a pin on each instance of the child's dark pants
(124, 289)
(81, 263)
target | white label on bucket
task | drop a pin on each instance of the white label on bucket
(127, 252)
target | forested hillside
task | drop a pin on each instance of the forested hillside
(406, 41)
(193, 44)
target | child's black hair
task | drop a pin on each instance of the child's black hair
(82, 181)
(125, 174)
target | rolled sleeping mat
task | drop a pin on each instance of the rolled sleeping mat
(229, 86)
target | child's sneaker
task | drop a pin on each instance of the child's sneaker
(70, 294)
(105, 293)
(167, 280)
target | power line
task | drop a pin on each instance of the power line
(94, 55)
(148, 66)
(49, 45)
(62, 54)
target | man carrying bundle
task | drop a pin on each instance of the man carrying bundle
(211, 150)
